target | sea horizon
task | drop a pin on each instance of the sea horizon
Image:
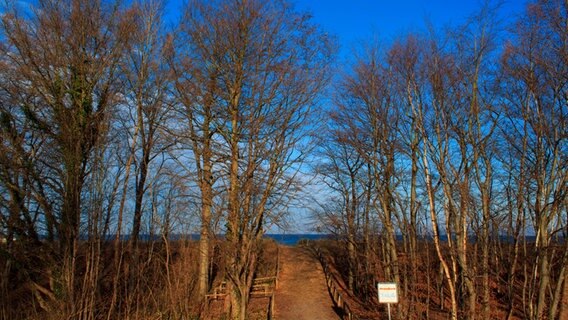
(288, 238)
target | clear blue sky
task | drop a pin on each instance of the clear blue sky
(352, 21)
(357, 20)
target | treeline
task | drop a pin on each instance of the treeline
(114, 125)
(456, 140)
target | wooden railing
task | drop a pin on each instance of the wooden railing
(333, 286)
(219, 292)
(261, 287)
(270, 311)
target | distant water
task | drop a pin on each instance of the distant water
(285, 239)
(293, 239)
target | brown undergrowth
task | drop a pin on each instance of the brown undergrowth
(426, 299)
(155, 280)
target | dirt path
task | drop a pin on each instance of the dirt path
(301, 293)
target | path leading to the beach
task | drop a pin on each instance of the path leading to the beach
(302, 292)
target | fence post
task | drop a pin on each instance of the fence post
(277, 266)
(271, 307)
(332, 287)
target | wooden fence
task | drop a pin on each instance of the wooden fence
(332, 286)
(261, 287)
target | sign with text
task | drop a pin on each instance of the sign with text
(388, 292)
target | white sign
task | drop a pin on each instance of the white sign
(388, 292)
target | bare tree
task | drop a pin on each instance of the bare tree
(143, 114)
(266, 64)
(535, 77)
(341, 170)
(197, 89)
(64, 59)
(475, 43)
(146, 86)
(406, 60)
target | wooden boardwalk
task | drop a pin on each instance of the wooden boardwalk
(302, 291)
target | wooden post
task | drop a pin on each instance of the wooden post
(347, 310)
(334, 293)
(277, 267)
(271, 307)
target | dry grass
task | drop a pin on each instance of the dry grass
(427, 299)
(155, 282)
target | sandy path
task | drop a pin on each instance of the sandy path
(301, 293)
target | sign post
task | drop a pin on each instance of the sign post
(388, 293)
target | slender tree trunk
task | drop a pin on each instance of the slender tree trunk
(118, 254)
(139, 196)
(204, 253)
(351, 212)
(413, 232)
(436, 236)
(234, 236)
(560, 288)
(485, 257)
(543, 269)
(563, 312)
(204, 242)
(70, 230)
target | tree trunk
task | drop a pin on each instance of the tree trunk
(436, 237)
(234, 236)
(206, 183)
(543, 269)
(204, 241)
(351, 231)
(563, 313)
(559, 288)
(71, 212)
(139, 197)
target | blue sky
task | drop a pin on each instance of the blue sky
(357, 20)
(353, 21)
